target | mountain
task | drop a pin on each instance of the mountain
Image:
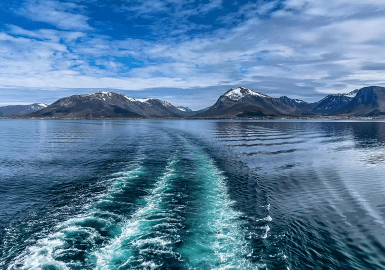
(184, 109)
(107, 105)
(368, 101)
(236, 103)
(243, 102)
(299, 104)
(12, 110)
(188, 112)
(333, 103)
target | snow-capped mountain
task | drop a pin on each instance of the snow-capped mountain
(108, 105)
(12, 110)
(240, 93)
(297, 103)
(368, 101)
(333, 103)
(243, 102)
(184, 109)
(236, 102)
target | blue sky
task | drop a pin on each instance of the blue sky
(189, 52)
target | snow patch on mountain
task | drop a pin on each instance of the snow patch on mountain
(351, 94)
(143, 100)
(184, 109)
(148, 101)
(130, 98)
(103, 95)
(240, 92)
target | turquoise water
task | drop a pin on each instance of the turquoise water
(192, 195)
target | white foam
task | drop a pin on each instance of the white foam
(267, 229)
(150, 265)
(268, 218)
(218, 240)
(43, 252)
(138, 226)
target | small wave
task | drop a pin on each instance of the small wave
(140, 233)
(71, 238)
(218, 240)
(271, 153)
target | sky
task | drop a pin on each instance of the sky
(189, 52)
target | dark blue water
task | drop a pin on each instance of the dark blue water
(192, 195)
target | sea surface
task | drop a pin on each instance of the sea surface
(192, 195)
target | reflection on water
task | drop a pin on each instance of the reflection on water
(192, 195)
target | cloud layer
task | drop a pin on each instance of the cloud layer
(299, 48)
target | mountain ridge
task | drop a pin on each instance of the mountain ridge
(369, 101)
(298, 103)
(12, 110)
(239, 102)
(334, 102)
(243, 102)
(107, 105)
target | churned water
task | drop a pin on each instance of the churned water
(192, 195)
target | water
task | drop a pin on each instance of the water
(192, 195)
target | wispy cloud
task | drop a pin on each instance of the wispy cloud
(300, 48)
(64, 15)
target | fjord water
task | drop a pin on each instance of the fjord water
(192, 195)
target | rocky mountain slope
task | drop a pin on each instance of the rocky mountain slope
(108, 105)
(368, 101)
(243, 102)
(333, 103)
(12, 110)
(299, 104)
(236, 103)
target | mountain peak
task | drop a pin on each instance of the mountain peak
(352, 94)
(240, 92)
(108, 105)
(369, 101)
(40, 105)
(285, 98)
(152, 101)
(102, 94)
(184, 109)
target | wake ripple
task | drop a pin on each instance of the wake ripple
(66, 247)
(185, 220)
(217, 239)
(147, 235)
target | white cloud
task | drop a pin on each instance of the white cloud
(69, 79)
(307, 46)
(334, 9)
(47, 34)
(60, 14)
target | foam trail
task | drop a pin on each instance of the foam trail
(217, 240)
(147, 234)
(72, 237)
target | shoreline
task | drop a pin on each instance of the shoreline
(320, 118)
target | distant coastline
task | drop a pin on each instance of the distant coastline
(325, 118)
(239, 103)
